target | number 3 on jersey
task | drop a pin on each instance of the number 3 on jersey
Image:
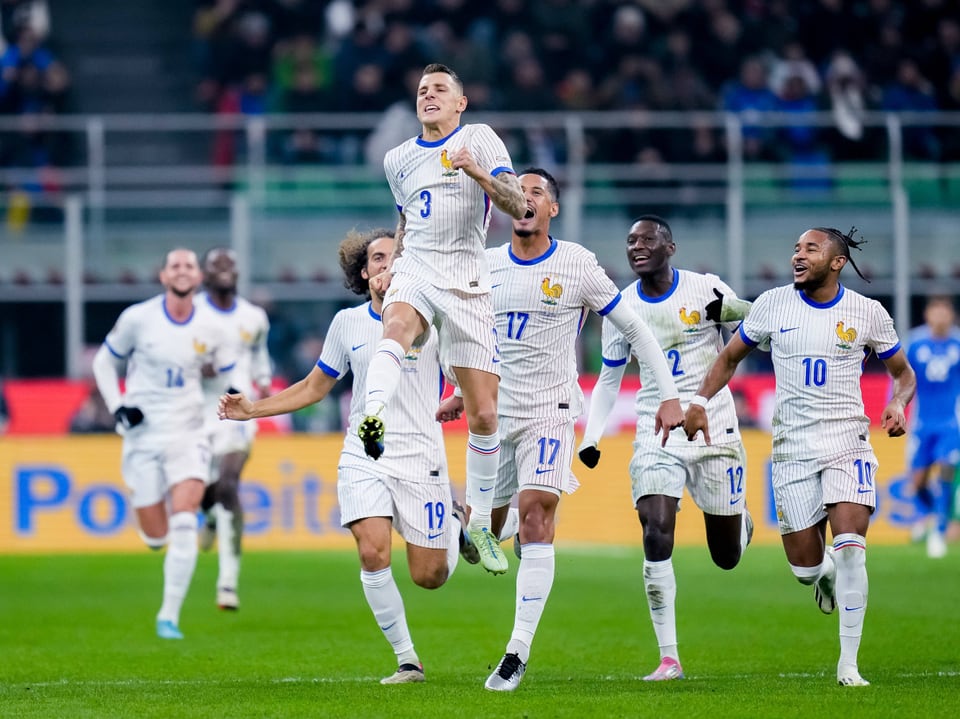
(425, 210)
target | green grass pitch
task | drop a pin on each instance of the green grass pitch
(76, 640)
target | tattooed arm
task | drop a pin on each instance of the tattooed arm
(503, 189)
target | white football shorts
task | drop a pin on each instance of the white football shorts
(715, 475)
(534, 454)
(151, 468)
(465, 323)
(420, 511)
(803, 488)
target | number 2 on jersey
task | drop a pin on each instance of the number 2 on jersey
(674, 356)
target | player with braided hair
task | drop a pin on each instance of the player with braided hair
(823, 466)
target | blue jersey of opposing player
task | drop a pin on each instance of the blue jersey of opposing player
(935, 357)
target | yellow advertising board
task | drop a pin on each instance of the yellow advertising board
(61, 494)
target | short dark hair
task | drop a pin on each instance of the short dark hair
(843, 244)
(657, 220)
(440, 67)
(551, 180)
(353, 258)
(219, 249)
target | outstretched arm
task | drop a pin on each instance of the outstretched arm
(311, 389)
(720, 372)
(894, 418)
(602, 400)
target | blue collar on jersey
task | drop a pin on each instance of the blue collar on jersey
(665, 295)
(373, 314)
(193, 311)
(229, 310)
(437, 143)
(821, 305)
(536, 260)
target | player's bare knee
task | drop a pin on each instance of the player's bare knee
(430, 577)
(483, 421)
(372, 558)
(725, 558)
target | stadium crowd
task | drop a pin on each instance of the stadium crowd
(791, 56)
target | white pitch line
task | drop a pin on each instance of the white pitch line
(360, 680)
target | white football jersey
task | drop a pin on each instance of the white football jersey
(413, 444)
(246, 327)
(447, 213)
(540, 306)
(164, 361)
(818, 351)
(690, 342)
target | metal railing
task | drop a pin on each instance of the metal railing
(95, 185)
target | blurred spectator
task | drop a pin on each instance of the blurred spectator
(398, 123)
(93, 415)
(912, 92)
(723, 48)
(846, 88)
(16, 14)
(303, 67)
(747, 97)
(823, 27)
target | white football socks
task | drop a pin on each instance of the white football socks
(852, 589)
(179, 564)
(229, 532)
(534, 582)
(383, 376)
(384, 599)
(660, 584)
(483, 460)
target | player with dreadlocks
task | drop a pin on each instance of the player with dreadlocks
(823, 466)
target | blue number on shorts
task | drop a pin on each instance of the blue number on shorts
(174, 377)
(521, 319)
(425, 196)
(735, 475)
(675, 356)
(815, 371)
(548, 445)
(864, 474)
(435, 514)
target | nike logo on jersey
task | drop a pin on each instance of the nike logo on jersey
(356, 347)
(543, 471)
(735, 501)
(861, 490)
(525, 598)
(388, 626)
(496, 285)
(434, 536)
(495, 360)
(788, 329)
(485, 489)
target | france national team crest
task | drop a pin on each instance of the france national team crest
(199, 347)
(448, 169)
(551, 292)
(847, 336)
(410, 365)
(691, 319)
